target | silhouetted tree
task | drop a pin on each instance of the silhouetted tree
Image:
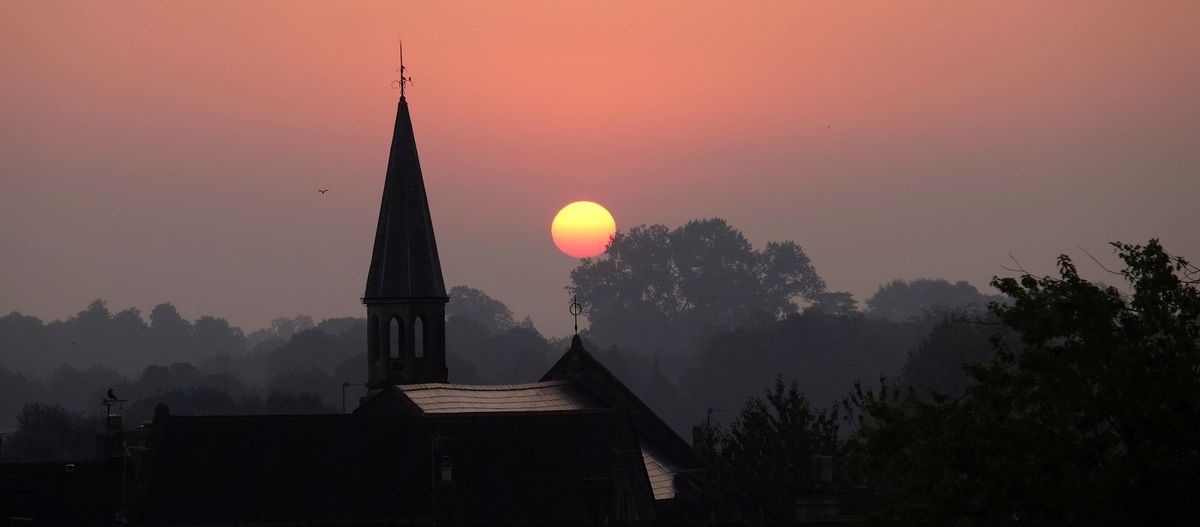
(284, 327)
(475, 305)
(899, 300)
(25, 345)
(215, 336)
(170, 334)
(825, 353)
(939, 363)
(16, 390)
(766, 452)
(48, 432)
(658, 290)
(483, 345)
(838, 303)
(310, 349)
(1096, 421)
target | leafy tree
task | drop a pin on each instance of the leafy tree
(310, 348)
(939, 363)
(16, 390)
(1095, 421)
(25, 344)
(657, 289)
(475, 305)
(170, 334)
(515, 355)
(284, 327)
(48, 432)
(214, 336)
(825, 353)
(839, 303)
(766, 453)
(899, 300)
(340, 326)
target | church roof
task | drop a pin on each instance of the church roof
(661, 471)
(404, 263)
(669, 459)
(550, 396)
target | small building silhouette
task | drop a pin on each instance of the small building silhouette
(574, 447)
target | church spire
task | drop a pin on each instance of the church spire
(405, 261)
(405, 295)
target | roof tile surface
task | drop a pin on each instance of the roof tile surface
(549, 396)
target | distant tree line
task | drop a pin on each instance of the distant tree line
(693, 319)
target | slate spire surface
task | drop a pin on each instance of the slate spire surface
(404, 264)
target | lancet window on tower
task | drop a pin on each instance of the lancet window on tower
(395, 338)
(419, 338)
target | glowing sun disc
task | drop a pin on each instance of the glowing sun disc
(582, 229)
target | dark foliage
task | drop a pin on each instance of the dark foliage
(468, 303)
(52, 433)
(824, 353)
(940, 362)
(766, 452)
(658, 290)
(1096, 421)
(899, 300)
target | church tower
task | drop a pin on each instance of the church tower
(405, 296)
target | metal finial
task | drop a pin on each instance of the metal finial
(576, 309)
(402, 72)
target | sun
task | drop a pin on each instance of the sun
(582, 229)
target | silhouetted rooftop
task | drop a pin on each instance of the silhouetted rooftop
(550, 396)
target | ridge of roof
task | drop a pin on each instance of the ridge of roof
(481, 387)
(644, 417)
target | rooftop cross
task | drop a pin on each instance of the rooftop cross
(576, 309)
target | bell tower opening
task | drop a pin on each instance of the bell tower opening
(419, 339)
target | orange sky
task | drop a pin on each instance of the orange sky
(156, 151)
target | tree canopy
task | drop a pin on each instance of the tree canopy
(47, 432)
(656, 288)
(899, 300)
(1095, 421)
(766, 452)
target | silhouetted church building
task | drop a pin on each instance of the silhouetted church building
(576, 446)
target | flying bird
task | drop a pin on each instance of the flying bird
(322, 190)
(112, 396)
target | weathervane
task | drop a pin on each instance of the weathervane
(576, 309)
(405, 78)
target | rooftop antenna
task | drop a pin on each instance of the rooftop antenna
(402, 72)
(576, 309)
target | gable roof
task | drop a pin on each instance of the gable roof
(549, 396)
(672, 452)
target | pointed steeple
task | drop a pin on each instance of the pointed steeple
(404, 264)
(405, 297)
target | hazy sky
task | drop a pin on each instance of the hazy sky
(171, 151)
